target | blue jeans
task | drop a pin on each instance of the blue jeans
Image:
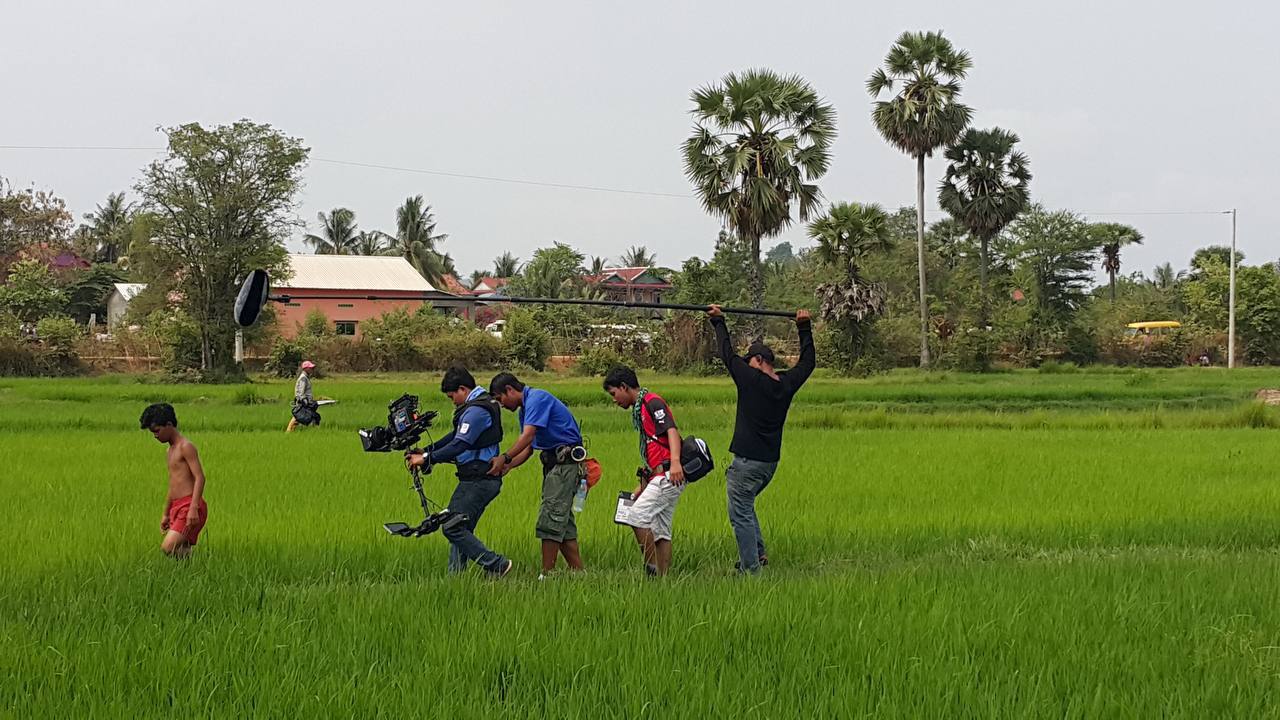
(471, 497)
(744, 480)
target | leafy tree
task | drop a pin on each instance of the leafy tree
(1205, 256)
(506, 265)
(1056, 251)
(760, 142)
(639, 257)
(109, 227)
(31, 292)
(781, 253)
(416, 240)
(525, 340)
(223, 200)
(338, 233)
(984, 189)
(29, 218)
(923, 116)
(845, 235)
(552, 272)
(87, 294)
(1110, 237)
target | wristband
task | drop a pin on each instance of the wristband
(506, 457)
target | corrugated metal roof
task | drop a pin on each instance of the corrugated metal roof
(129, 290)
(354, 272)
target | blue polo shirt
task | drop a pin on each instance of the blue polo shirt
(457, 446)
(551, 417)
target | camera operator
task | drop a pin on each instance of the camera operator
(473, 443)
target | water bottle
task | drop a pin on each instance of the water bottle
(580, 497)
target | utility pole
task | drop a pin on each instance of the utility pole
(1231, 301)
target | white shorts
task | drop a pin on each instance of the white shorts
(656, 507)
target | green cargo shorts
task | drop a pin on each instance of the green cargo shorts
(555, 515)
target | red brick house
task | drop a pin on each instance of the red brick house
(354, 278)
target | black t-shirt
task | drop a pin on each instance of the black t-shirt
(762, 401)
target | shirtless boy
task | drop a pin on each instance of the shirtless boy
(185, 511)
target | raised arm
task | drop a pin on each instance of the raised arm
(724, 346)
(808, 356)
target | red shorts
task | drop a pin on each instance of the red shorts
(178, 510)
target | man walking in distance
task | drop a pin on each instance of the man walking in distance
(477, 431)
(661, 475)
(304, 402)
(548, 427)
(764, 397)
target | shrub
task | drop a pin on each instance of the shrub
(598, 360)
(524, 340)
(686, 344)
(179, 339)
(59, 336)
(472, 348)
(316, 325)
(17, 358)
(285, 357)
(1057, 367)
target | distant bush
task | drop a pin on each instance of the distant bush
(598, 360)
(59, 336)
(1057, 367)
(524, 340)
(465, 346)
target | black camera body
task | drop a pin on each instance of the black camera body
(405, 426)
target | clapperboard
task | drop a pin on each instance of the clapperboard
(623, 513)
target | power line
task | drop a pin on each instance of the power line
(540, 183)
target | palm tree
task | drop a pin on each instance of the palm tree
(338, 233)
(372, 242)
(922, 117)
(1110, 237)
(416, 239)
(1165, 278)
(476, 277)
(846, 234)
(985, 189)
(109, 227)
(506, 265)
(597, 266)
(759, 143)
(637, 257)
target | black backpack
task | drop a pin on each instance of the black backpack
(695, 456)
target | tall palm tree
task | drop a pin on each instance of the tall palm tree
(760, 142)
(923, 116)
(338, 233)
(416, 239)
(846, 234)
(985, 189)
(1110, 237)
(372, 242)
(108, 227)
(639, 257)
(476, 277)
(1165, 278)
(506, 265)
(597, 266)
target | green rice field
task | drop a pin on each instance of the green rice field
(1019, 545)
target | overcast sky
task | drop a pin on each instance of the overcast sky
(1123, 107)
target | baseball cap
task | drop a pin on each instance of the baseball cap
(761, 350)
(307, 364)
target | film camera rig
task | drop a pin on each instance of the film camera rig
(404, 430)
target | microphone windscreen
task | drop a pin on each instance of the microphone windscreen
(253, 295)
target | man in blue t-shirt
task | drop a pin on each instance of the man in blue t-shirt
(477, 432)
(548, 427)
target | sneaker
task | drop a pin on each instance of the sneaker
(504, 570)
(764, 562)
(650, 570)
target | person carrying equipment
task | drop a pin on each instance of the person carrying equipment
(764, 397)
(305, 407)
